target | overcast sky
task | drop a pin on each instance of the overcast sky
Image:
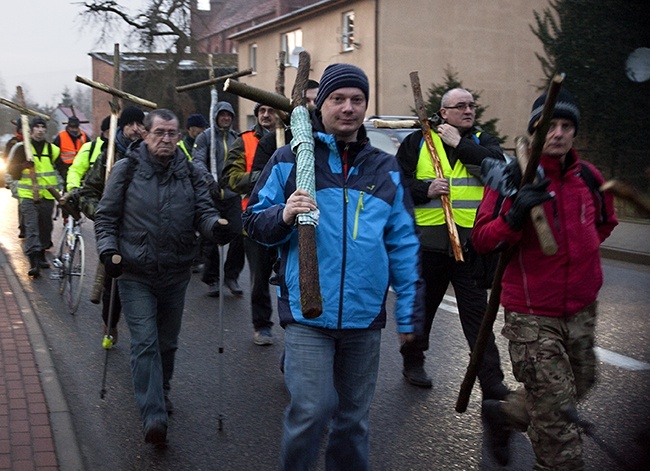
(46, 51)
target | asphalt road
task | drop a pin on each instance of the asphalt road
(411, 428)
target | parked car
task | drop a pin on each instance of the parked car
(387, 139)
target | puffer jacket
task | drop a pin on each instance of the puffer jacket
(561, 284)
(150, 215)
(365, 237)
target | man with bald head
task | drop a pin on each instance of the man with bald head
(461, 147)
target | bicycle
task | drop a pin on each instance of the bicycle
(70, 260)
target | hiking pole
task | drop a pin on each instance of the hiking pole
(220, 341)
(107, 341)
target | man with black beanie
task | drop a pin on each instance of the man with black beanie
(549, 301)
(131, 127)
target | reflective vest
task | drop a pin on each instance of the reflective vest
(250, 146)
(465, 190)
(183, 147)
(70, 147)
(82, 162)
(45, 173)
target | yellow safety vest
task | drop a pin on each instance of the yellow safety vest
(187, 153)
(45, 173)
(465, 190)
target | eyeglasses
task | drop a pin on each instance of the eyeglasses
(461, 106)
(159, 133)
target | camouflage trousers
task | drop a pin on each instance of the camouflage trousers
(554, 359)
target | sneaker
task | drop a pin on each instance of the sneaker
(156, 433)
(213, 290)
(42, 261)
(417, 376)
(169, 405)
(497, 431)
(263, 337)
(234, 287)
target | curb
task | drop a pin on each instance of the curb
(630, 256)
(65, 440)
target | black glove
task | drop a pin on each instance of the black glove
(112, 261)
(529, 196)
(221, 232)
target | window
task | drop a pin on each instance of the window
(253, 57)
(347, 28)
(203, 5)
(290, 41)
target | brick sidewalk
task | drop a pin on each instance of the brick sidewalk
(26, 441)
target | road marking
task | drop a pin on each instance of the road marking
(616, 359)
(606, 356)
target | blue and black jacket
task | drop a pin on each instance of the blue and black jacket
(365, 237)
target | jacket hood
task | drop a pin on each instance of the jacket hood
(224, 106)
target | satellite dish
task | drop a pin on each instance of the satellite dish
(294, 56)
(637, 66)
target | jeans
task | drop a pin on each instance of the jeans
(153, 314)
(331, 377)
(438, 270)
(260, 262)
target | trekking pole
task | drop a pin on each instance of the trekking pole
(107, 341)
(220, 359)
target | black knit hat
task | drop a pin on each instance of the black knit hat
(256, 108)
(106, 123)
(337, 76)
(196, 120)
(36, 120)
(130, 114)
(566, 107)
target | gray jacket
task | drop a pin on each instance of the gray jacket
(150, 215)
(224, 138)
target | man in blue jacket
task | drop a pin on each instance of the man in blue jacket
(365, 241)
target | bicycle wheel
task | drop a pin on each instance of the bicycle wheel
(60, 262)
(77, 268)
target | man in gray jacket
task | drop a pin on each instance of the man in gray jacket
(227, 202)
(145, 225)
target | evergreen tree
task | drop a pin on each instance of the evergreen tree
(590, 41)
(436, 91)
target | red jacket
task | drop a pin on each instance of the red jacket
(564, 283)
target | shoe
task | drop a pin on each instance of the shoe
(42, 261)
(233, 286)
(156, 433)
(274, 279)
(417, 376)
(213, 290)
(34, 270)
(263, 337)
(169, 405)
(497, 431)
(197, 268)
(21, 235)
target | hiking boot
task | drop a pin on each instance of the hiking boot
(156, 433)
(417, 376)
(263, 337)
(213, 290)
(233, 286)
(34, 270)
(497, 431)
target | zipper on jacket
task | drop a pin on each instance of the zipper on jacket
(344, 161)
(355, 231)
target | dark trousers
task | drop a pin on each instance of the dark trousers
(38, 224)
(260, 262)
(229, 209)
(438, 270)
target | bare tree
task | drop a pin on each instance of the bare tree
(161, 26)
